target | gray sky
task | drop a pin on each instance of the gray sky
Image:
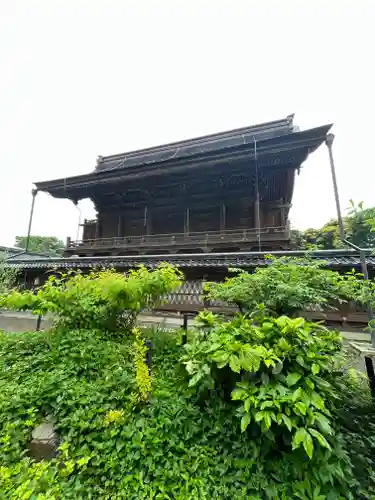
(82, 78)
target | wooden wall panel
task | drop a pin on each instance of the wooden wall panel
(204, 218)
(167, 220)
(108, 224)
(133, 222)
(204, 193)
(240, 214)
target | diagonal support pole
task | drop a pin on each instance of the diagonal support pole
(362, 252)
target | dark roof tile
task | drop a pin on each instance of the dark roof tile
(340, 258)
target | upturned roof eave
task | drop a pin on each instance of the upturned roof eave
(311, 139)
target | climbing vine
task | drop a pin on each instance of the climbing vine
(142, 372)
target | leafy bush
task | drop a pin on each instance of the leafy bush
(8, 276)
(103, 300)
(176, 446)
(126, 434)
(355, 415)
(286, 286)
(277, 368)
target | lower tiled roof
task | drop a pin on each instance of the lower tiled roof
(333, 258)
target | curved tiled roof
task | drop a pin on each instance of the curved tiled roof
(244, 260)
(197, 145)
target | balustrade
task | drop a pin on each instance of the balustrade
(208, 238)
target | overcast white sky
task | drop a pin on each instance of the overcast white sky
(80, 78)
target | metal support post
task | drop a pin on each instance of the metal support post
(184, 329)
(329, 142)
(34, 192)
(362, 254)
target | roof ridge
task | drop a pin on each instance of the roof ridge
(226, 134)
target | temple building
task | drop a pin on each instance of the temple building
(205, 205)
(226, 192)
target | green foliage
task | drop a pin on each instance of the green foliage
(279, 367)
(355, 414)
(286, 286)
(262, 416)
(177, 446)
(142, 375)
(48, 245)
(277, 371)
(174, 447)
(8, 277)
(325, 238)
(103, 300)
(359, 225)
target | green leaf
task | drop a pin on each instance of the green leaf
(323, 423)
(238, 394)
(234, 364)
(266, 404)
(287, 421)
(267, 419)
(269, 362)
(259, 416)
(308, 445)
(298, 437)
(220, 357)
(310, 384)
(300, 360)
(245, 421)
(283, 344)
(278, 368)
(315, 369)
(301, 407)
(195, 379)
(320, 438)
(297, 394)
(317, 401)
(292, 379)
(247, 404)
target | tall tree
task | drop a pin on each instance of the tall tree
(49, 245)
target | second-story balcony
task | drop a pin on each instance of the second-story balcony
(246, 239)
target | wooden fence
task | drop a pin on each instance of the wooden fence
(189, 298)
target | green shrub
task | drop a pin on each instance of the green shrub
(8, 276)
(103, 300)
(263, 418)
(176, 446)
(277, 370)
(355, 415)
(286, 286)
(142, 372)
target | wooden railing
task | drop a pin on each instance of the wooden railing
(184, 239)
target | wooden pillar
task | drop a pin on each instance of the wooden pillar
(98, 229)
(223, 217)
(149, 221)
(187, 221)
(258, 212)
(283, 216)
(119, 225)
